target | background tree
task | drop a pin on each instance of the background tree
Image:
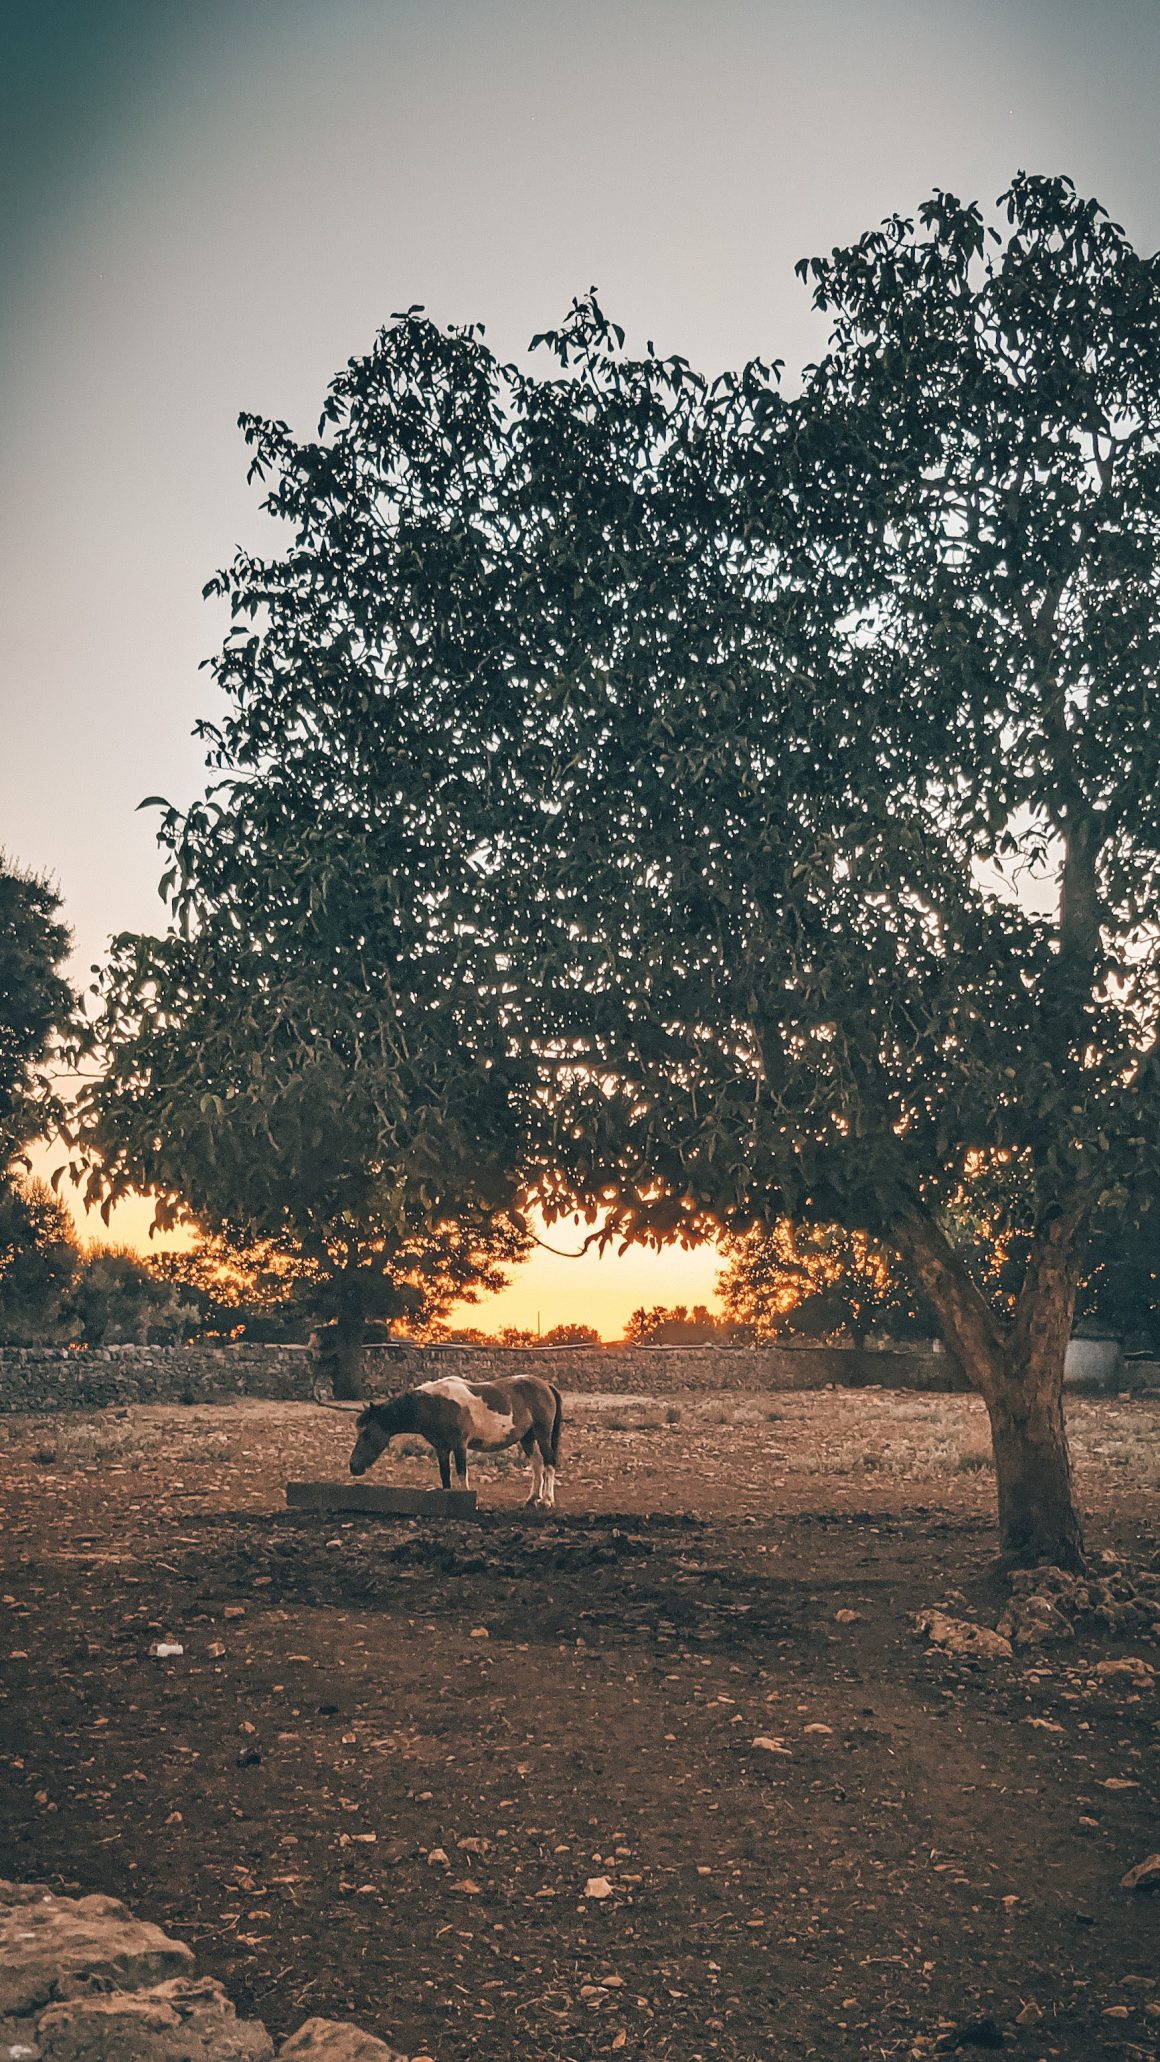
(36, 1008)
(817, 1282)
(677, 1325)
(116, 1299)
(1120, 1289)
(352, 1114)
(38, 1249)
(237, 1291)
(39, 1262)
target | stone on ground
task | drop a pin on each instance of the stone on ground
(49, 1942)
(1145, 1875)
(18, 2042)
(329, 2040)
(1037, 1619)
(960, 1636)
(181, 2021)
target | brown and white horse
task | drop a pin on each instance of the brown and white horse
(456, 1417)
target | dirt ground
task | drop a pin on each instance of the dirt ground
(492, 1788)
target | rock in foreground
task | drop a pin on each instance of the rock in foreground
(47, 1942)
(961, 1637)
(186, 2020)
(329, 2040)
(82, 1980)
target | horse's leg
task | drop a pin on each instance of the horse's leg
(461, 1467)
(443, 1455)
(547, 1470)
(531, 1449)
(527, 1448)
(552, 1447)
(547, 1460)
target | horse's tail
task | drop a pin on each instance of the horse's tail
(557, 1421)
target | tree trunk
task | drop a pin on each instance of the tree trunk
(1018, 1371)
(1037, 1515)
(348, 1381)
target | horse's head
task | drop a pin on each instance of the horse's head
(377, 1426)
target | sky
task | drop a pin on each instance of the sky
(209, 205)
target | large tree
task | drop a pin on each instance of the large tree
(874, 879)
(975, 470)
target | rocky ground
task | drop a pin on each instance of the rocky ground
(745, 1753)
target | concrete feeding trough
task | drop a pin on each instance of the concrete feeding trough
(380, 1500)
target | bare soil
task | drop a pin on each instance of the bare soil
(492, 1788)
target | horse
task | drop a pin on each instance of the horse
(455, 1416)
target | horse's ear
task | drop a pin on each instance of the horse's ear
(364, 1417)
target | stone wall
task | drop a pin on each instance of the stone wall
(62, 1378)
(35, 1378)
(665, 1370)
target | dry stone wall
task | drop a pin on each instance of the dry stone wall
(667, 1370)
(34, 1378)
(53, 1378)
(44, 1378)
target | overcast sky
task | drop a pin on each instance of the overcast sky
(208, 205)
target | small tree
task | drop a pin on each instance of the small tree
(318, 1117)
(677, 1325)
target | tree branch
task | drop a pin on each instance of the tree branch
(964, 1313)
(1046, 1302)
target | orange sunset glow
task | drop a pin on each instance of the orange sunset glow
(597, 1289)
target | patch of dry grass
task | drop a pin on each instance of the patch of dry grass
(906, 1435)
(131, 1438)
